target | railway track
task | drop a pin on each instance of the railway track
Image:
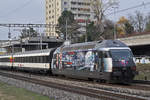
(137, 84)
(87, 91)
(142, 82)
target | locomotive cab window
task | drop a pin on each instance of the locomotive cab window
(121, 54)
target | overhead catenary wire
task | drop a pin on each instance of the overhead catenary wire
(17, 9)
(130, 8)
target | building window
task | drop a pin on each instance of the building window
(73, 8)
(65, 3)
(73, 3)
(65, 9)
(57, 3)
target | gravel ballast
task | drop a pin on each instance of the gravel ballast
(52, 93)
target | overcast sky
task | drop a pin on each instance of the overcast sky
(33, 11)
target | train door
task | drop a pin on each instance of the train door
(105, 61)
(105, 64)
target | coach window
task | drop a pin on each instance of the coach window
(36, 59)
(26, 59)
(19, 59)
(1, 59)
(41, 59)
(30, 59)
(47, 59)
(44, 58)
(33, 59)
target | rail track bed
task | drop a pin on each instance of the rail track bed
(91, 89)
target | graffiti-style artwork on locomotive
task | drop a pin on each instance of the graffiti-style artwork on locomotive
(76, 60)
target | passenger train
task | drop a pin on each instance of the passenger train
(107, 60)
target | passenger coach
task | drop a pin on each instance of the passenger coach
(37, 60)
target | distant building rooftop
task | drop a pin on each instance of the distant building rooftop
(30, 43)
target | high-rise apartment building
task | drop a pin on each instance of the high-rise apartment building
(80, 8)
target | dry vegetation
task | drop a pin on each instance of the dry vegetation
(144, 72)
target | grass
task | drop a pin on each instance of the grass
(8, 92)
(144, 72)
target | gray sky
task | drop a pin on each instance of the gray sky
(20, 11)
(33, 11)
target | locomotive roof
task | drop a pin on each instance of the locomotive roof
(94, 45)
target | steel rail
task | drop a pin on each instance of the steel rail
(95, 93)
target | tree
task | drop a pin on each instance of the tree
(28, 33)
(67, 17)
(93, 35)
(138, 21)
(147, 27)
(108, 29)
(124, 26)
(99, 8)
(91, 32)
(129, 28)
